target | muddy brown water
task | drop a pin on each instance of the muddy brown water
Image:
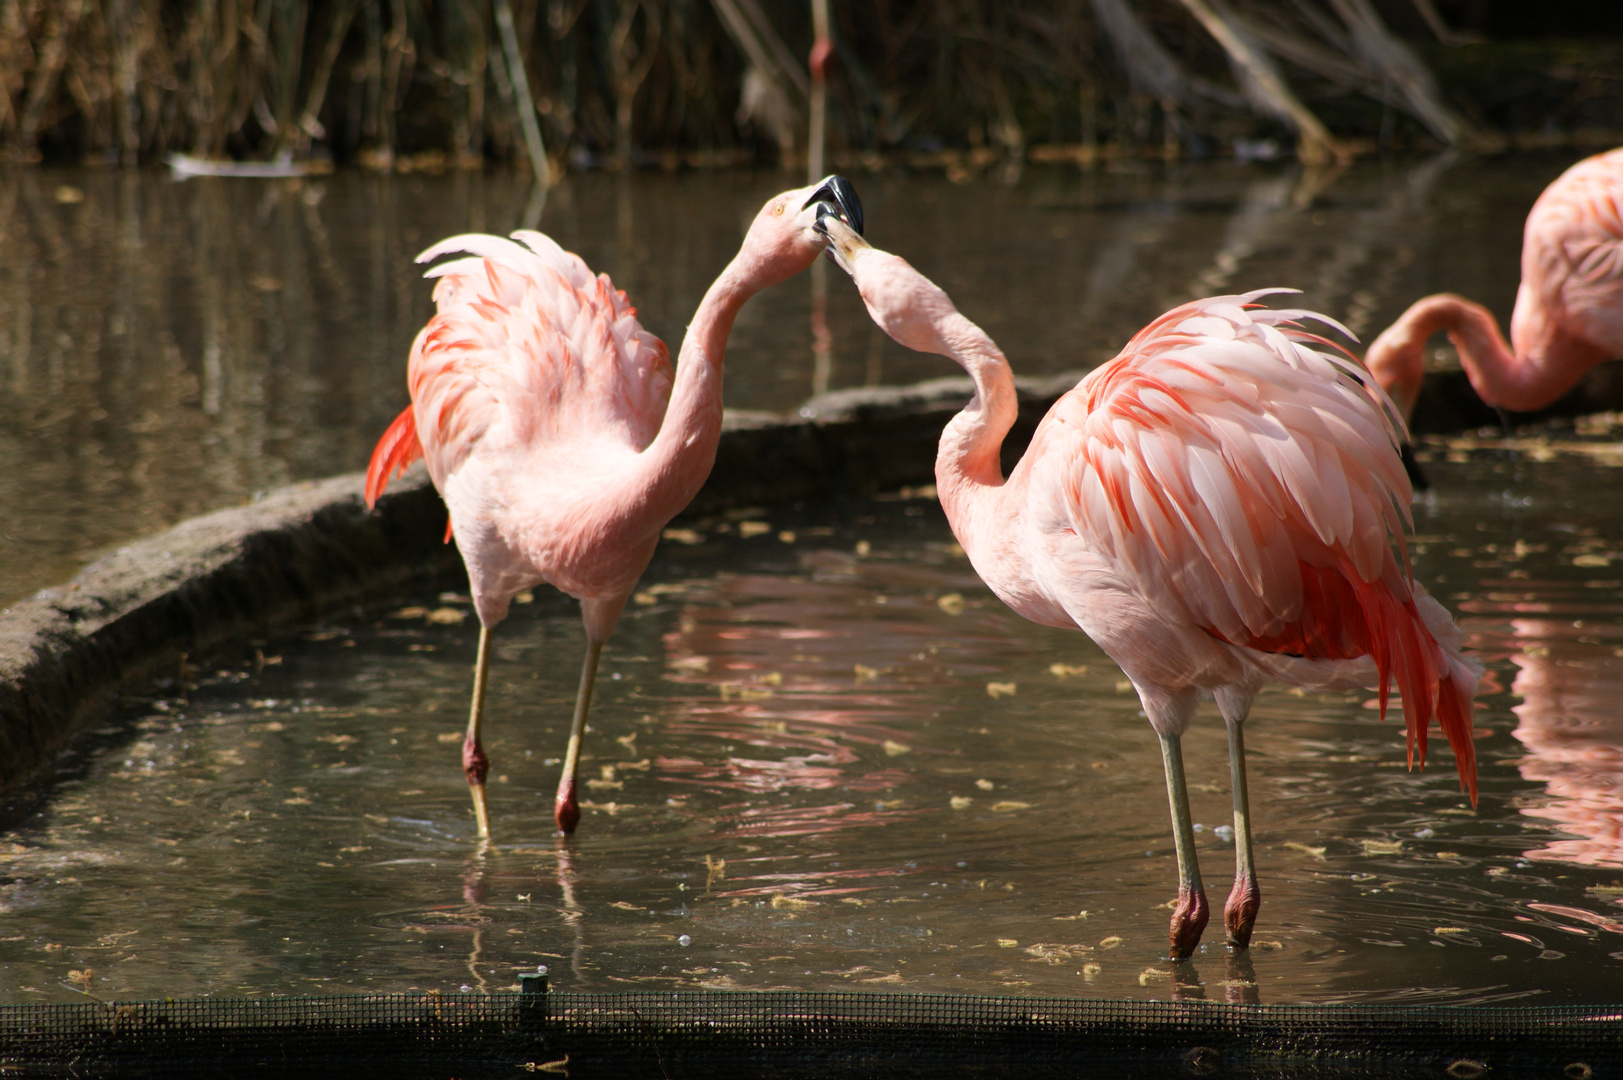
(168, 347)
(824, 756)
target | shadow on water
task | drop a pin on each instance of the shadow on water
(823, 756)
(168, 348)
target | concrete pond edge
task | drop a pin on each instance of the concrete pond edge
(132, 616)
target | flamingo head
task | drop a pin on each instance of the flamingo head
(908, 306)
(784, 238)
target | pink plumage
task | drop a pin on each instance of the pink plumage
(1220, 506)
(554, 430)
(1231, 468)
(1569, 307)
(535, 393)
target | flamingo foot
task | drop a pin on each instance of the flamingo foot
(1189, 917)
(476, 766)
(1240, 913)
(565, 810)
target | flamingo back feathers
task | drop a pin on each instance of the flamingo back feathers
(528, 347)
(1232, 464)
(1572, 252)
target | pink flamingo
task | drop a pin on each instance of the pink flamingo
(555, 433)
(1216, 507)
(1569, 308)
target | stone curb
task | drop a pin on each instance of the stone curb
(66, 652)
(136, 614)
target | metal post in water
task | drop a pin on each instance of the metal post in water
(533, 991)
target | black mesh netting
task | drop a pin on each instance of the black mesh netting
(789, 1034)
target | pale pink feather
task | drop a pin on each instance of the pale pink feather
(534, 389)
(528, 348)
(1230, 473)
(1218, 449)
(1572, 256)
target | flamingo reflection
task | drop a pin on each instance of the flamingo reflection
(818, 682)
(1569, 721)
(821, 680)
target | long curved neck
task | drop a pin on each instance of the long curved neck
(1397, 357)
(968, 469)
(681, 455)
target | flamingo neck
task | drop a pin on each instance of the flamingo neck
(681, 455)
(1499, 374)
(968, 466)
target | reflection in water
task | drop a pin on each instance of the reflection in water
(1571, 722)
(168, 348)
(805, 778)
(819, 672)
(796, 677)
(821, 769)
(571, 911)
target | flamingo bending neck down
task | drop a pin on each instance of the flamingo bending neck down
(1569, 308)
(1216, 507)
(554, 431)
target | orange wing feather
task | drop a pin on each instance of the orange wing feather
(393, 455)
(1343, 618)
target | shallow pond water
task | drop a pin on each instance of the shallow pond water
(168, 348)
(824, 756)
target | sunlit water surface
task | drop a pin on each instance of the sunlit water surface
(168, 348)
(823, 756)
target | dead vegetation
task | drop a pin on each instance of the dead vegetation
(402, 84)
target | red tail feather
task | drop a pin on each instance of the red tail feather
(1344, 617)
(393, 455)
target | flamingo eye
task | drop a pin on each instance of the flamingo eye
(777, 211)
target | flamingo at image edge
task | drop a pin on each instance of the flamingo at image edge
(1569, 308)
(1216, 507)
(554, 431)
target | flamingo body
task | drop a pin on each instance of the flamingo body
(1220, 506)
(1217, 507)
(534, 393)
(552, 425)
(1569, 306)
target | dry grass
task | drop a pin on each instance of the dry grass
(425, 83)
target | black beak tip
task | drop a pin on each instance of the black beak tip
(839, 192)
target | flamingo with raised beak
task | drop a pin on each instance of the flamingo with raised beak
(556, 434)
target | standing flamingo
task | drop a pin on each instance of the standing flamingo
(1569, 308)
(554, 431)
(1216, 507)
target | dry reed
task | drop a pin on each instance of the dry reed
(420, 83)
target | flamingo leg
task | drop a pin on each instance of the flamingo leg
(1190, 913)
(475, 765)
(565, 809)
(1240, 913)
